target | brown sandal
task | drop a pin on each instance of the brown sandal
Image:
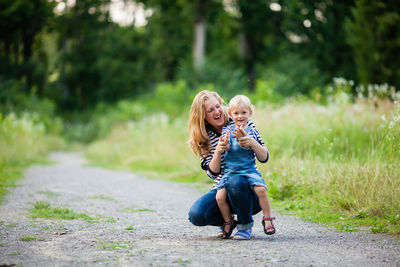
(269, 226)
(226, 235)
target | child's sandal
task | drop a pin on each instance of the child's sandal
(269, 226)
(226, 235)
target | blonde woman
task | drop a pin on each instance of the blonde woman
(207, 118)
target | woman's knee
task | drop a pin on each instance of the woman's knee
(202, 210)
(196, 215)
(237, 186)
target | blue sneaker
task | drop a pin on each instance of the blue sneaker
(243, 234)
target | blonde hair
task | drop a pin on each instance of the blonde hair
(240, 99)
(199, 141)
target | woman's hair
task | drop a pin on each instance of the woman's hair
(199, 141)
(240, 99)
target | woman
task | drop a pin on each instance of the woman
(206, 120)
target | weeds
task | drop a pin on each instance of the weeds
(135, 209)
(42, 209)
(31, 238)
(24, 139)
(49, 193)
(335, 163)
(117, 245)
(102, 198)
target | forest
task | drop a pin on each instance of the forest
(324, 75)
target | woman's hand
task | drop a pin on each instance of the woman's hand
(223, 143)
(243, 138)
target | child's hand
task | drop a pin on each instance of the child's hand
(243, 138)
(238, 133)
(223, 143)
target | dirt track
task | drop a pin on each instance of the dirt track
(161, 234)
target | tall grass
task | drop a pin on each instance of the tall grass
(154, 146)
(334, 163)
(24, 139)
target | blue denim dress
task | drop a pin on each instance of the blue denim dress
(240, 161)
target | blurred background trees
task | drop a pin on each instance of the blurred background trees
(75, 54)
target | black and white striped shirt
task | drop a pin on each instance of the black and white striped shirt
(214, 138)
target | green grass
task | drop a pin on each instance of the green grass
(335, 164)
(136, 209)
(42, 209)
(49, 193)
(102, 198)
(14, 254)
(23, 141)
(116, 245)
(31, 238)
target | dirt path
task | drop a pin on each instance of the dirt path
(161, 234)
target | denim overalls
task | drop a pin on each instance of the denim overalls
(240, 161)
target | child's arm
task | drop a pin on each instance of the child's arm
(258, 147)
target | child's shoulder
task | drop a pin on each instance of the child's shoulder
(230, 125)
(251, 125)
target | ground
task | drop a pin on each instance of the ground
(143, 222)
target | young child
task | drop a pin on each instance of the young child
(245, 145)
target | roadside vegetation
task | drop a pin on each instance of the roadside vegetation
(334, 156)
(334, 152)
(26, 136)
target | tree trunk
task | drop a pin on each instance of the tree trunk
(27, 40)
(199, 45)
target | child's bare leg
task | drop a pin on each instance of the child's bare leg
(224, 207)
(264, 203)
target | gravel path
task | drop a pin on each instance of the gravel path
(161, 234)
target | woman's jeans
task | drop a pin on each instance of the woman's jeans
(241, 197)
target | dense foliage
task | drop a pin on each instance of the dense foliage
(76, 56)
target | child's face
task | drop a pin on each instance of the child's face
(240, 114)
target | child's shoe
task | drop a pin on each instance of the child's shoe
(243, 234)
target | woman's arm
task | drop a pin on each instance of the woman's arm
(223, 145)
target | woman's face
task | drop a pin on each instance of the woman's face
(214, 113)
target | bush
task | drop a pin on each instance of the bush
(292, 75)
(227, 79)
(23, 140)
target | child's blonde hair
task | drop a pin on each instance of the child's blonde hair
(240, 99)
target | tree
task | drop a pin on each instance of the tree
(20, 22)
(170, 34)
(258, 25)
(316, 30)
(81, 30)
(374, 35)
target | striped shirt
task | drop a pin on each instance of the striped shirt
(214, 138)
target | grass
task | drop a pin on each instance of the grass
(336, 164)
(102, 198)
(23, 141)
(49, 193)
(42, 209)
(116, 245)
(136, 209)
(31, 238)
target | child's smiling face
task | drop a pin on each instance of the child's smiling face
(240, 114)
